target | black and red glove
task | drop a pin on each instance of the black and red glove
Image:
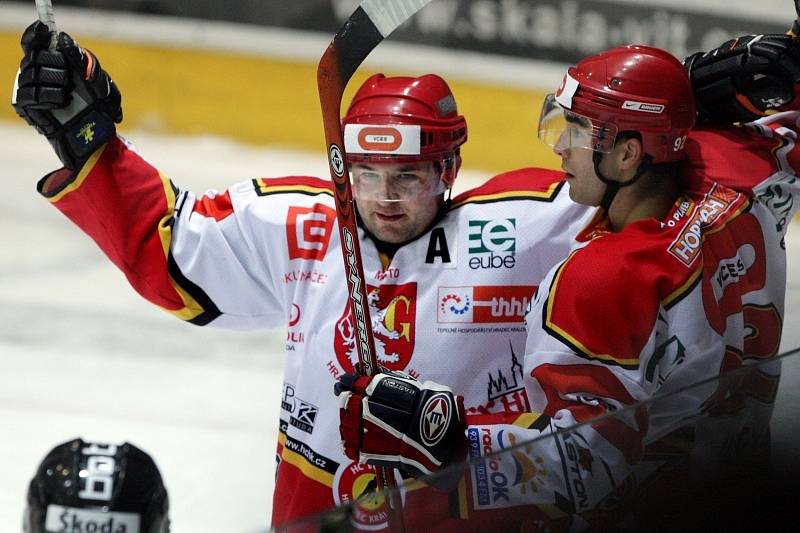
(746, 78)
(65, 95)
(393, 420)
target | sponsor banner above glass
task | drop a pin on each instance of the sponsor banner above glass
(555, 30)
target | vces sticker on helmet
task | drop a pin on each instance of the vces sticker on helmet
(386, 139)
(565, 92)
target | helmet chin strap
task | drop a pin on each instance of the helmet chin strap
(612, 186)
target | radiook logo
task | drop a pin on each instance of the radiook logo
(483, 304)
(492, 243)
(392, 310)
(308, 231)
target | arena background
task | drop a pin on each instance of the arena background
(225, 93)
(245, 69)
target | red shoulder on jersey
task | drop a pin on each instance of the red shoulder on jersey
(592, 300)
(739, 158)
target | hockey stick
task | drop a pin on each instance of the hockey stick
(369, 24)
(45, 10)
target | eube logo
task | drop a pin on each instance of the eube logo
(492, 243)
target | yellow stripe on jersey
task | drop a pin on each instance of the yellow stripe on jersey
(463, 506)
(299, 461)
(678, 293)
(526, 420)
(78, 181)
(264, 189)
(191, 308)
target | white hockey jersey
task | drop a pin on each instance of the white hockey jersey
(447, 307)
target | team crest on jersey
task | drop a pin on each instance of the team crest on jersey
(355, 484)
(393, 310)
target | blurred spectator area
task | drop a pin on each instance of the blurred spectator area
(246, 69)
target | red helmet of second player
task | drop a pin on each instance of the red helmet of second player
(628, 88)
(404, 119)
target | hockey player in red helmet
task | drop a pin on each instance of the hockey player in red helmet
(266, 253)
(402, 138)
(643, 281)
(618, 120)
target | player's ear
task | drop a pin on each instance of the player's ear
(628, 153)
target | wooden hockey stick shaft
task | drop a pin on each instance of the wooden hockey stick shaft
(45, 10)
(369, 24)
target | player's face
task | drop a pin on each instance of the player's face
(584, 186)
(396, 201)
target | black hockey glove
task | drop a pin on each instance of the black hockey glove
(393, 420)
(746, 78)
(66, 95)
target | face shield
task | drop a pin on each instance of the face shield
(566, 130)
(387, 180)
(387, 165)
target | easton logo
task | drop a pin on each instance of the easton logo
(435, 419)
(642, 106)
(380, 138)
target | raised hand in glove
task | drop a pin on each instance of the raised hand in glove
(746, 78)
(66, 95)
(394, 420)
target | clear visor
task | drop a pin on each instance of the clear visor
(396, 182)
(564, 129)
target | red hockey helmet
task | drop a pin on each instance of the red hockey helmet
(405, 119)
(628, 88)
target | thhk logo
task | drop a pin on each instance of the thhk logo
(492, 243)
(308, 231)
(483, 304)
(392, 309)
